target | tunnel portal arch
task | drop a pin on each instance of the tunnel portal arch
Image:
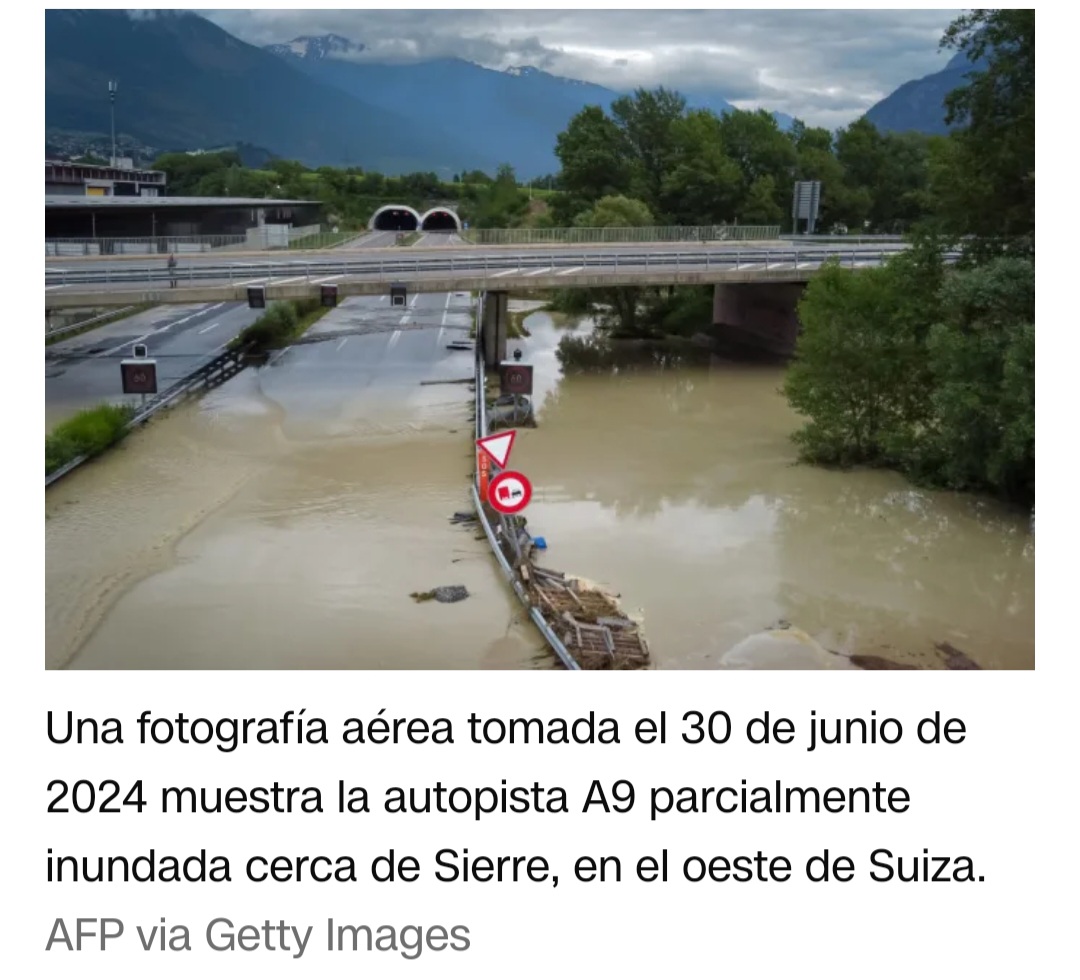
(395, 217)
(440, 219)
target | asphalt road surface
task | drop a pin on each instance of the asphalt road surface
(365, 345)
(85, 370)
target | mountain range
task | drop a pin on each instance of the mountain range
(920, 104)
(185, 84)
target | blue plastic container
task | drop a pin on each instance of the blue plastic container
(540, 542)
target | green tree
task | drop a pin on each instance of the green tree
(616, 212)
(982, 356)
(994, 150)
(760, 206)
(646, 120)
(704, 185)
(858, 368)
(595, 158)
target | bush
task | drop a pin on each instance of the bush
(277, 326)
(86, 434)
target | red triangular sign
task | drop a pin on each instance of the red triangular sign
(498, 446)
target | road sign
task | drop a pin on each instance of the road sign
(256, 298)
(510, 492)
(138, 350)
(397, 294)
(498, 446)
(139, 377)
(328, 295)
(805, 202)
(515, 379)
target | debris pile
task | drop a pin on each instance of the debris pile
(443, 593)
(588, 621)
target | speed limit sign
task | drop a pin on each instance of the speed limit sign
(139, 376)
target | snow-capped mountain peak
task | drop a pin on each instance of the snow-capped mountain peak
(316, 48)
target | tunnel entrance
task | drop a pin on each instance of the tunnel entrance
(395, 217)
(440, 219)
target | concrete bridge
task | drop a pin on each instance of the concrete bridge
(757, 286)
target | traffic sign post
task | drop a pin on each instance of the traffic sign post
(510, 492)
(483, 468)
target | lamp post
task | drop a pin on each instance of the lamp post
(112, 119)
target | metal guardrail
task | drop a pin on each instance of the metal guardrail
(209, 375)
(58, 332)
(848, 239)
(662, 233)
(535, 615)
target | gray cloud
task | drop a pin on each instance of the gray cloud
(825, 66)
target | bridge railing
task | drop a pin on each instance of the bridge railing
(572, 236)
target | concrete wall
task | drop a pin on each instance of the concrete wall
(761, 316)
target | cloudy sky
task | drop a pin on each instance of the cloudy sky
(824, 66)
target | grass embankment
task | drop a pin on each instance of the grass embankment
(90, 432)
(104, 322)
(410, 239)
(280, 325)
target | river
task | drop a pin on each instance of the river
(282, 522)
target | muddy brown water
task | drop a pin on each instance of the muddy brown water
(286, 529)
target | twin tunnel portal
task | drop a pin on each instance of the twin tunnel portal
(401, 217)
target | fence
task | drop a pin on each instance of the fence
(571, 236)
(506, 530)
(260, 239)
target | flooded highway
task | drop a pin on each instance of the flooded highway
(282, 521)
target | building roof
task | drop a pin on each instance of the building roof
(98, 201)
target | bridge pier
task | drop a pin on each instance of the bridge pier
(758, 316)
(494, 326)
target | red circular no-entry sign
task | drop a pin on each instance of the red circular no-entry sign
(509, 492)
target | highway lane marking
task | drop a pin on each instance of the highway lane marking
(319, 282)
(506, 272)
(566, 272)
(157, 330)
(748, 265)
(250, 282)
(446, 310)
(537, 272)
(281, 282)
(342, 344)
(61, 286)
(394, 338)
(211, 327)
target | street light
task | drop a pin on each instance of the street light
(112, 118)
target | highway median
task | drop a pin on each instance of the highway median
(279, 326)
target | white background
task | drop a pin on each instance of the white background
(1006, 796)
(994, 798)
